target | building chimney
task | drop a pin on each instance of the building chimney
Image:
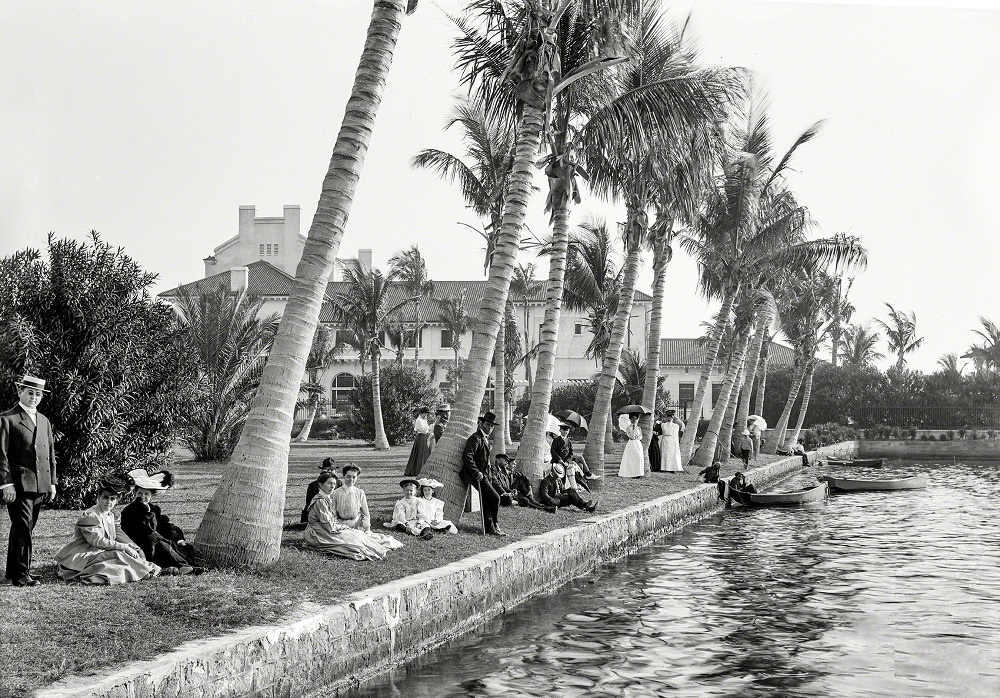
(247, 215)
(365, 260)
(239, 278)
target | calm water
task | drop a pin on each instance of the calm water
(869, 594)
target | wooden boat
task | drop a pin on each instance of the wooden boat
(777, 499)
(843, 484)
(868, 462)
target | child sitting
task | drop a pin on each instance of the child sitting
(711, 472)
(432, 508)
(407, 516)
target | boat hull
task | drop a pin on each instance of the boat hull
(865, 462)
(782, 499)
(840, 484)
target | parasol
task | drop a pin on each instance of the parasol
(574, 418)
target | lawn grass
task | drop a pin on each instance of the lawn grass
(59, 629)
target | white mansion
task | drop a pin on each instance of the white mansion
(263, 256)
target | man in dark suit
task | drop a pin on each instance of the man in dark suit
(27, 474)
(475, 467)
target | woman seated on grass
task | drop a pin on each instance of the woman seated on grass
(99, 552)
(407, 516)
(313, 487)
(432, 508)
(161, 541)
(339, 522)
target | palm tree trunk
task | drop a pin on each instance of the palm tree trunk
(724, 446)
(541, 393)
(706, 452)
(609, 434)
(691, 431)
(446, 458)
(508, 318)
(381, 442)
(758, 407)
(594, 451)
(750, 374)
(499, 383)
(303, 435)
(528, 375)
(416, 337)
(806, 394)
(243, 523)
(651, 387)
(776, 436)
(454, 372)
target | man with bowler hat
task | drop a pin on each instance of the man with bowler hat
(475, 467)
(27, 474)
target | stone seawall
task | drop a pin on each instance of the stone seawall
(322, 649)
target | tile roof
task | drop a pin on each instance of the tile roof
(690, 352)
(263, 279)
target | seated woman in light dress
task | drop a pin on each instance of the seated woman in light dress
(432, 508)
(339, 522)
(407, 516)
(99, 552)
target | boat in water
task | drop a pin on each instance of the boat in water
(843, 484)
(866, 462)
(808, 495)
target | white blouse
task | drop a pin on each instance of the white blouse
(420, 426)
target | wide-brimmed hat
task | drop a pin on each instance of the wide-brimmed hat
(409, 481)
(430, 482)
(558, 469)
(444, 407)
(32, 382)
(489, 418)
(670, 413)
(160, 480)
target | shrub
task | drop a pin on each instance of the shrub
(951, 435)
(112, 356)
(832, 433)
(403, 391)
(943, 437)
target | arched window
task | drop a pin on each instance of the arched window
(341, 388)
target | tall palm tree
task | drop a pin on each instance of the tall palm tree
(243, 523)
(901, 333)
(321, 354)
(412, 268)
(628, 171)
(986, 355)
(231, 342)
(594, 278)
(859, 346)
(456, 320)
(370, 300)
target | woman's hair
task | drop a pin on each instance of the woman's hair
(349, 467)
(325, 476)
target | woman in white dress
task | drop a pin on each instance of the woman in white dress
(670, 451)
(633, 464)
(421, 449)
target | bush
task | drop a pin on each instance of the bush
(943, 437)
(112, 356)
(403, 391)
(832, 433)
(325, 428)
(951, 435)
(923, 437)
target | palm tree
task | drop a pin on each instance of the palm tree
(901, 334)
(628, 170)
(987, 354)
(949, 364)
(842, 312)
(594, 279)
(457, 321)
(859, 344)
(243, 523)
(370, 302)
(412, 270)
(321, 356)
(231, 343)
(489, 145)
(523, 286)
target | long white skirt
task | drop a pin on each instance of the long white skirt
(632, 461)
(670, 454)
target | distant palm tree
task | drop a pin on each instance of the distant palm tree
(949, 364)
(987, 354)
(858, 346)
(367, 304)
(412, 270)
(321, 356)
(593, 281)
(524, 286)
(457, 321)
(901, 333)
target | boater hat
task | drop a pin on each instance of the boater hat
(430, 482)
(444, 407)
(32, 382)
(409, 481)
(160, 480)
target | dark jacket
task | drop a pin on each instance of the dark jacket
(562, 450)
(549, 491)
(145, 525)
(475, 458)
(439, 427)
(27, 453)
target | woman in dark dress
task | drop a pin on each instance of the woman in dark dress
(654, 445)
(161, 540)
(421, 449)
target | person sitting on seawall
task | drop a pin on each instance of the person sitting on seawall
(432, 508)
(561, 451)
(99, 552)
(161, 541)
(796, 449)
(512, 485)
(739, 482)
(326, 467)
(552, 491)
(407, 516)
(339, 522)
(711, 472)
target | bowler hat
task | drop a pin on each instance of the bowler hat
(32, 382)
(489, 418)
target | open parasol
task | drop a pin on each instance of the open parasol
(761, 422)
(574, 418)
(634, 409)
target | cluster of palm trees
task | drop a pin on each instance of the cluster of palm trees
(610, 100)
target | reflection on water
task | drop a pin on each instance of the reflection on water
(868, 594)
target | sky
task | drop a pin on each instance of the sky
(153, 122)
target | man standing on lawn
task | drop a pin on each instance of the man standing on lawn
(27, 474)
(475, 468)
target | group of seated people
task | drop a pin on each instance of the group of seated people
(147, 544)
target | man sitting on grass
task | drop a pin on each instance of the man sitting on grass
(553, 492)
(512, 485)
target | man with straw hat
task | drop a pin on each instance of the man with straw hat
(27, 474)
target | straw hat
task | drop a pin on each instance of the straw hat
(160, 480)
(32, 382)
(430, 482)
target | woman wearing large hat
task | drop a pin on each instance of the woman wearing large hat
(161, 540)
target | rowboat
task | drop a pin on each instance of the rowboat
(842, 484)
(778, 499)
(869, 462)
